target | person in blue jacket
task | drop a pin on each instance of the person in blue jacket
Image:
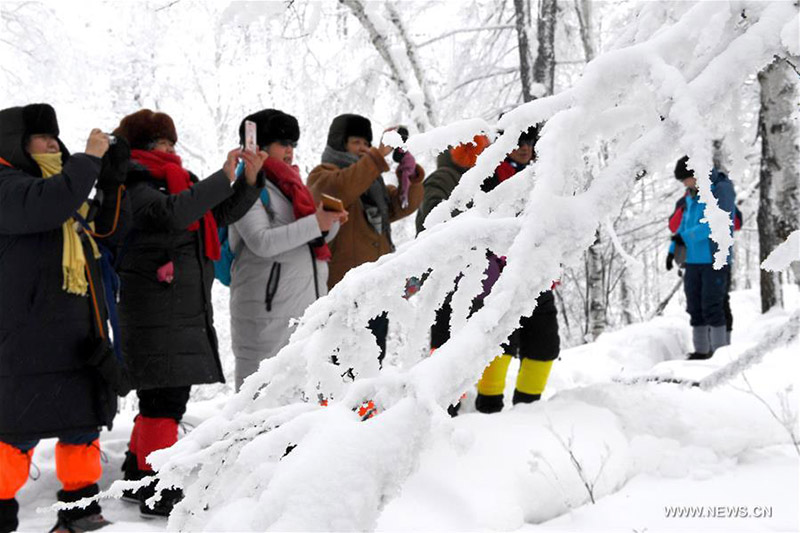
(704, 286)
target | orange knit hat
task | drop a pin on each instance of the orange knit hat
(465, 155)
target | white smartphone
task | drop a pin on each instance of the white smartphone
(250, 136)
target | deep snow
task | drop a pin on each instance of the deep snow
(660, 445)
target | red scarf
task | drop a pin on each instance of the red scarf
(168, 167)
(287, 179)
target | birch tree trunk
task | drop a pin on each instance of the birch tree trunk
(381, 44)
(416, 66)
(597, 319)
(545, 64)
(522, 19)
(779, 184)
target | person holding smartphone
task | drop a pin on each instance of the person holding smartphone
(166, 272)
(352, 170)
(280, 247)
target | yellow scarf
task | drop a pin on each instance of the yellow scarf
(73, 260)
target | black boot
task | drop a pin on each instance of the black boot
(77, 519)
(131, 472)
(485, 403)
(163, 507)
(696, 356)
(8, 515)
(453, 409)
(524, 397)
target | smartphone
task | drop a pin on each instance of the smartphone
(331, 203)
(250, 143)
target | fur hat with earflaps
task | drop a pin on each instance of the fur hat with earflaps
(272, 125)
(17, 124)
(348, 125)
(144, 127)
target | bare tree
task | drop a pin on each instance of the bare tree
(416, 65)
(381, 43)
(779, 184)
(545, 64)
(522, 18)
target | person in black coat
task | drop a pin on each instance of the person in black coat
(166, 271)
(536, 341)
(53, 347)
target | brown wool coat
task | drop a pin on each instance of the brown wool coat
(357, 242)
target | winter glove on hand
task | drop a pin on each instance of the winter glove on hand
(678, 239)
(406, 170)
(114, 167)
(670, 261)
(110, 369)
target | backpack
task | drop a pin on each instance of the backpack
(223, 265)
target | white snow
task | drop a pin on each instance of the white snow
(661, 445)
(784, 255)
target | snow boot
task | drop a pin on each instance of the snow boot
(719, 337)
(524, 397)
(78, 520)
(8, 515)
(696, 356)
(485, 403)
(491, 385)
(701, 339)
(531, 380)
(131, 472)
(163, 507)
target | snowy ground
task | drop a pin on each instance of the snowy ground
(642, 448)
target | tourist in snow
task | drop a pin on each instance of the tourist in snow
(705, 287)
(54, 356)
(280, 245)
(451, 165)
(677, 252)
(166, 272)
(351, 170)
(536, 342)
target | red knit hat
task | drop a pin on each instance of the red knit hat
(145, 126)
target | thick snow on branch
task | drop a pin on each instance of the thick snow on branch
(784, 255)
(652, 102)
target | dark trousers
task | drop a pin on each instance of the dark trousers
(380, 329)
(164, 403)
(706, 291)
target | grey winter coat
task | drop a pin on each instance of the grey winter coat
(272, 278)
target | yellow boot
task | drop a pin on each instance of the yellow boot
(531, 380)
(491, 385)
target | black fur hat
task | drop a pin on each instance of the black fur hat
(40, 119)
(348, 125)
(681, 171)
(531, 135)
(19, 123)
(272, 125)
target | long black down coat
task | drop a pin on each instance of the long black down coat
(46, 334)
(168, 335)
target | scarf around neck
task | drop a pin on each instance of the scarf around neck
(375, 199)
(287, 179)
(73, 258)
(168, 167)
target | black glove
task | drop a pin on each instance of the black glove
(114, 167)
(110, 369)
(677, 239)
(670, 261)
